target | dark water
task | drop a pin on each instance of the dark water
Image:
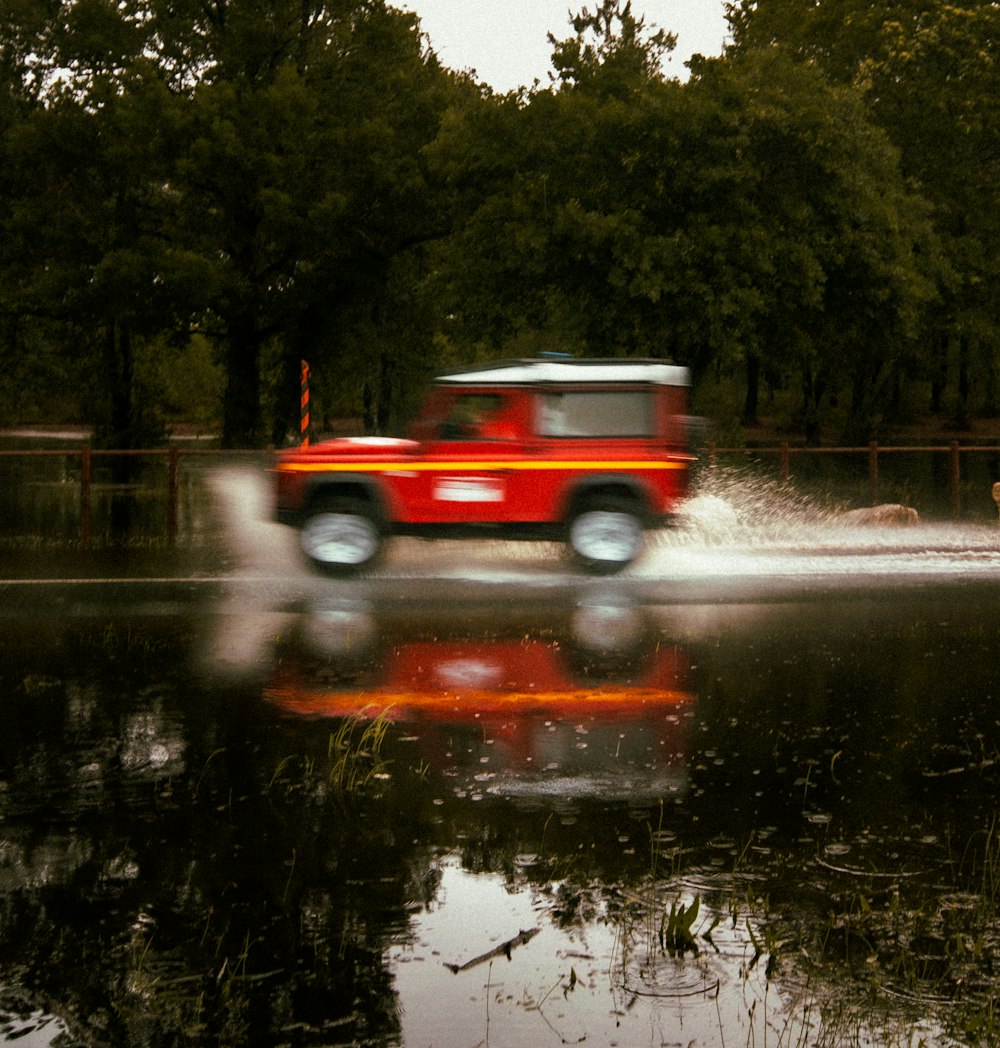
(743, 823)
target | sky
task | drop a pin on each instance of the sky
(506, 41)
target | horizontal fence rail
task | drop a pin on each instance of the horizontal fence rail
(86, 455)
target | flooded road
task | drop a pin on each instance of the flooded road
(745, 794)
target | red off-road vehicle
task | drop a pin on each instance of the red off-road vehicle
(590, 452)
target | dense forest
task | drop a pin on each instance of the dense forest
(195, 195)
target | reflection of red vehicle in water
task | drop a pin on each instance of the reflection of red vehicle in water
(510, 705)
(453, 680)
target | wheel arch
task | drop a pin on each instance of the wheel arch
(358, 486)
(621, 486)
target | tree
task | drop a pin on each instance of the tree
(249, 170)
(935, 86)
(929, 75)
(302, 180)
(832, 251)
(551, 241)
(85, 208)
(612, 51)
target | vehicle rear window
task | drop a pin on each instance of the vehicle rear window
(601, 413)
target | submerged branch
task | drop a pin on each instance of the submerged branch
(503, 949)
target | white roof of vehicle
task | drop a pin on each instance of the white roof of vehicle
(519, 372)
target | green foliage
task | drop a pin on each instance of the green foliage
(612, 50)
(354, 752)
(677, 935)
(929, 78)
(817, 209)
(186, 382)
(250, 172)
(39, 382)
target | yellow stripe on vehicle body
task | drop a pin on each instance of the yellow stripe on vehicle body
(482, 467)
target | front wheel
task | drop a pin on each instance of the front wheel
(340, 536)
(606, 535)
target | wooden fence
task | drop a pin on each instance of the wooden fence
(785, 453)
(873, 451)
(87, 456)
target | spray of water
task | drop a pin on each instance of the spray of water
(260, 545)
(737, 524)
(736, 506)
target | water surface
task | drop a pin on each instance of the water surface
(744, 794)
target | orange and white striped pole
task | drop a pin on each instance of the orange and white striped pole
(304, 405)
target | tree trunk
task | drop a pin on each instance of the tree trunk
(812, 396)
(118, 429)
(286, 420)
(752, 399)
(989, 365)
(119, 369)
(377, 395)
(939, 380)
(241, 409)
(964, 384)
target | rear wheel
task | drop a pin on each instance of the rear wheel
(606, 535)
(340, 536)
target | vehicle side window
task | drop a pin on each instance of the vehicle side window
(470, 416)
(601, 413)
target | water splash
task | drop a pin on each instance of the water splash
(738, 506)
(739, 524)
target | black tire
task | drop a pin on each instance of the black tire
(340, 536)
(605, 534)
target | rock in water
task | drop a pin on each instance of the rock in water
(889, 514)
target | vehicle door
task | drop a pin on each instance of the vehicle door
(469, 466)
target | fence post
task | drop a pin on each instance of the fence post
(172, 489)
(85, 493)
(873, 471)
(785, 467)
(956, 498)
